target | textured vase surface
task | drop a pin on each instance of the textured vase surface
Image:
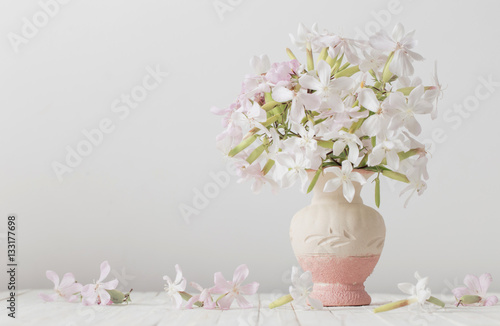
(339, 242)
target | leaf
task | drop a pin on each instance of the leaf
(314, 180)
(377, 192)
(186, 296)
(374, 141)
(255, 154)
(395, 175)
(241, 146)
(116, 296)
(348, 72)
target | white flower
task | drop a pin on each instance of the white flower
(301, 289)
(374, 60)
(294, 168)
(416, 185)
(345, 46)
(327, 89)
(316, 39)
(420, 291)
(387, 149)
(300, 101)
(407, 108)
(178, 285)
(344, 178)
(376, 124)
(260, 64)
(402, 45)
(349, 140)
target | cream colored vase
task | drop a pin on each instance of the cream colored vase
(339, 242)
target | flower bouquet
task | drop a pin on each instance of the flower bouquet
(348, 113)
(353, 106)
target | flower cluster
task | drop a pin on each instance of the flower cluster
(355, 107)
(100, 292)
(227, 291)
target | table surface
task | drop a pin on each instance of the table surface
(154, 308)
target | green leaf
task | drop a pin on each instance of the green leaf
(374, 141)
(255, 154)
(396, 176)
(116, 296)
(377, 191)
(347, 72)
(314, 180)
(241, 146)
(331, 61)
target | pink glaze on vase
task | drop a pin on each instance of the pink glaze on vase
(340, 243)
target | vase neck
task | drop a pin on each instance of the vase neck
(337, 196)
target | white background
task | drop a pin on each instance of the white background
(122, 202)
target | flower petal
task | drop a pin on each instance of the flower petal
(348, 190)
(310, 82)
(225, 302)
(332, 185)
(67, 280)
(104, 295)
(282, 94)
(178, 275)
(52, 276)
(221, 285)
(485, 282)
(491, 300)
(324, 71)
(249, 289)
(368, 100)
(105, 269)
(472, 282)
(240, 274)
(407, 288)
(111, 285)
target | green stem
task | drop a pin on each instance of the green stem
(395, 305)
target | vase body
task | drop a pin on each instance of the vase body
(339, 242)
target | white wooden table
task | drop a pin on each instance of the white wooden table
(153, 308)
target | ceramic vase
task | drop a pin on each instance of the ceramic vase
(339, 242)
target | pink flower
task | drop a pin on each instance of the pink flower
(477, 286)
(234, 290)
(67, 288)
(96, 293)
(281, 71)
(205, 297)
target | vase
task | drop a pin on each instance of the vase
(339, 243)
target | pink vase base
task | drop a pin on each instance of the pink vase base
(338, 281)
